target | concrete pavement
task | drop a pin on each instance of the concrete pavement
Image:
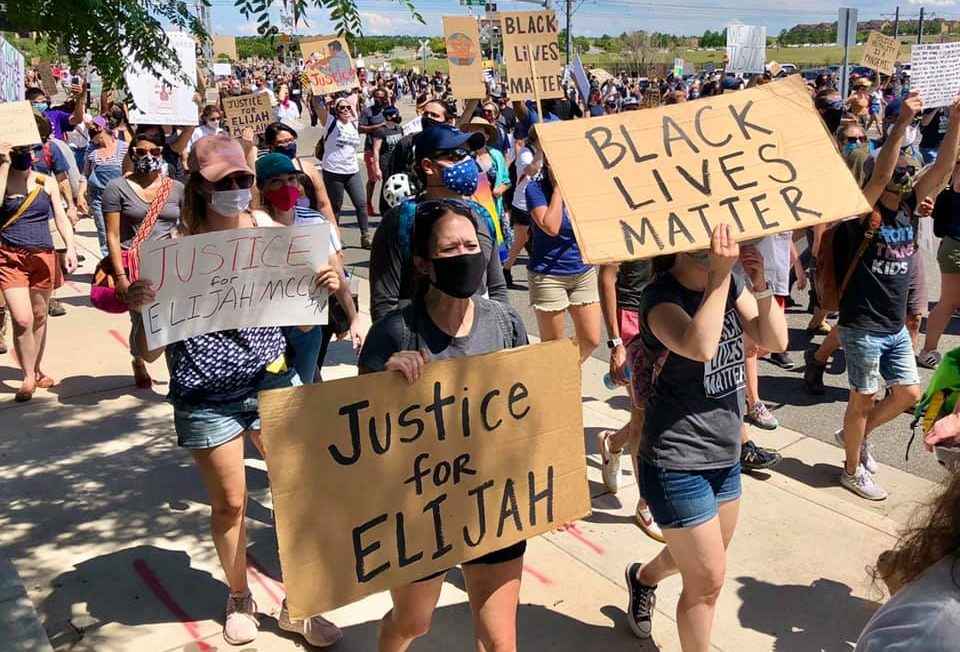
(106, 522)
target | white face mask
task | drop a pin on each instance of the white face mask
(230, 202)
(213, 124)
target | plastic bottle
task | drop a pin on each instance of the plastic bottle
(609, 382)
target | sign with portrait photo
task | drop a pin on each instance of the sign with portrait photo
(327, 65)
(167, 99)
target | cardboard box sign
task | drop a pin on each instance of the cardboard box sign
(645, 183)
(243, 111)
(327, 64)
(377, 483)
(17, 124)
(464, 56)
(880, 53)
(531, 35)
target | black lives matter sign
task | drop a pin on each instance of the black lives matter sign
(532, 54)
(651, 182)
(377, 483)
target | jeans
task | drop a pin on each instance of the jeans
(96, 212)
(353, 185)
(683, 499)
(875, 356)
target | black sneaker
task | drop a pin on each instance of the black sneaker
(782, 360)
(813, 373)
(753, 457)
(642, 601)
(56, 309)
(508, 277)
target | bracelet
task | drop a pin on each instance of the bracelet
(766, 293)
(119, 274)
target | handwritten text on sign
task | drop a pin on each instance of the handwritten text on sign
(243, 111)
(880, 53)
(935, 69)
(327, 65)
(234, 279)
(645, 183)
(746, 48)
(526, 35)
(480, 453)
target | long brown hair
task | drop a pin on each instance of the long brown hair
(934, 534)
(194, 212)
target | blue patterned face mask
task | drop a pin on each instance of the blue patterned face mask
(462, 178)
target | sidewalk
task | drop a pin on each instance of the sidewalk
(106, 522)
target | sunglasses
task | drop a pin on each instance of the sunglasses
(856, 139)
(343, 107)
(235, 181)
(147, 151)
(909, 170)
(451, 155)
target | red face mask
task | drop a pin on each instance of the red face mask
(283, 198)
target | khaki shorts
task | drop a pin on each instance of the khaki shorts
(948, 256)
(552, 293)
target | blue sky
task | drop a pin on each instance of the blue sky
(596, 17)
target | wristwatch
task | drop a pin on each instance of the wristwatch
(764, 293)
(614, 343)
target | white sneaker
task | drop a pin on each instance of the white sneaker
(647, 523)
(867, 460)
(317, 631)
(862, 484)
(611, 461)
(241, 624)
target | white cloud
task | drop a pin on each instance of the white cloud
(938, 3)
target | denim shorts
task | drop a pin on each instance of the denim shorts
(680, 499)
(208, 425)
(872, 356)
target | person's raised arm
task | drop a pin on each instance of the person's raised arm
(698, 338)
(182, 142)
(890, 152)
(937, 175)
(80, 105)
(549, 217)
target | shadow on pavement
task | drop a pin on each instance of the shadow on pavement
(823, 616)
(818, 476)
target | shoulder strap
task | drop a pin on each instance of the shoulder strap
(504, 323)
(27, 202)
(868, 236)
(153, 212)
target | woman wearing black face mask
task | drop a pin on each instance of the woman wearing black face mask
(446, 321)
(126, 202)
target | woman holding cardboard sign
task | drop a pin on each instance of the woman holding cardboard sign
(693, 319)
(215, 379)
(445, 321)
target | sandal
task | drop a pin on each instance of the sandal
(23, 395)
(44, 381)
(929, 359)
(822, 329)
(141, 377)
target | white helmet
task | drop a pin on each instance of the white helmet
(397, 188)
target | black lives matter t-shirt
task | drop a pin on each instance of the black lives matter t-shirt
(876, 298)
(695, 409)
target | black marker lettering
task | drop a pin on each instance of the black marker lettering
(442, 547)
(792, 171)
(698, 126)
(481, 515)
(676, 226)
(509, 495)
(402, 545)
(403, 422)
(517, 393)
(668, 125)
(484, 404)
(741, 120)
(537, 497)
(729, 172)
(599, 149)
(353, 410)
(729, 203)
(360, 551)
(703, 184)
(760, 211)
(793, 203)
(437, 408)
(629, 234)
(627, 197)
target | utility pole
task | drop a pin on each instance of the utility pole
(920, 28)
(569, 28)
(896, 23)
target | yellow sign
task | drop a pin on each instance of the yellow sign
(377, 483)
(532, 35)
(645, 183)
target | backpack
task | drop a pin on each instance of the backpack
(321, 147)
(942, 217)
(829, 290)
(940, 397)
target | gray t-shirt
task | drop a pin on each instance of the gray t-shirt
(496, 326)
(120, 197)
(694, 409)
(923, 615)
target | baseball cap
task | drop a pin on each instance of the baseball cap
(214, 157)
(444, 137)
(273, 165)
(391, 112)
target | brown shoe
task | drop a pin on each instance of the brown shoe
(3, 330)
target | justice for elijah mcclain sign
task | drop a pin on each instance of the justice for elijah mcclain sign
(377, 483)
(644, 183)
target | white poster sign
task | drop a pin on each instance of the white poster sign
(222, 69)
(234, 279)
(11, 73)
(167, 100)
(746, 48)
(935, 73)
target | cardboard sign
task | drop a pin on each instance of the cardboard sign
(746, 48)
(243, 111)
(774, 69)
(880, 53)
(234, 279)
(531, 35)
(17, 124)
(466, 60)
(225, 45)
(644, 183)
(167, 100)
(327, 65)
(935, 73)
(12, 73)
(222, 69)
(47, 81)
(377, 483)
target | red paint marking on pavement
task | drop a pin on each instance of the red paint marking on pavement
(263, 570)
(537, 575)
(73, 286)
(577, 534)
(264, 581)
(172, 605)
(120, 338)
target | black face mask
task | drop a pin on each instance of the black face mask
(459, 276)
(428, 123)
(21, 160)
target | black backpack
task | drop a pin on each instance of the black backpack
(943, 216)
(322, 143)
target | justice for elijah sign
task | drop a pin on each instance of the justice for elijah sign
(377, 483)
(646, 183)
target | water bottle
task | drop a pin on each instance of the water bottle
(609, 382)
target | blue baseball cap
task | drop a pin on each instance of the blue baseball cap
(444, 138)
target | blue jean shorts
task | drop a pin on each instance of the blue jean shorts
(208, 425)
(875, 356)
(681, 499)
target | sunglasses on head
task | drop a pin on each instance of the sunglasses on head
(235, 181)
(147, 151)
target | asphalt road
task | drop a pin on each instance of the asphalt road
(782, 390)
